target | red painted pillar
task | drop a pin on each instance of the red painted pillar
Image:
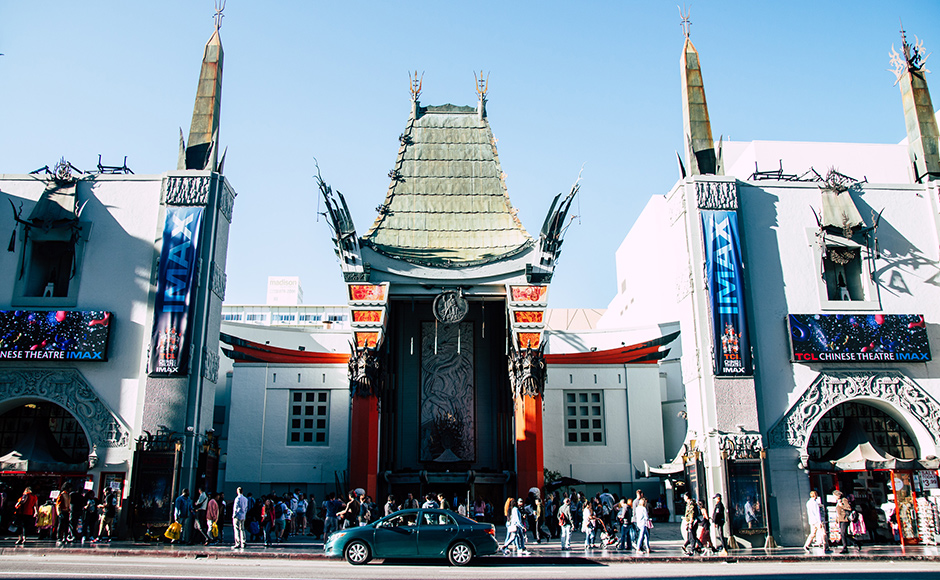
(364, 444)
(529, 455)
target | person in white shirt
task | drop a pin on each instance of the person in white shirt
(814, 514)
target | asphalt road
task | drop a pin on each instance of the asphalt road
(38, 567)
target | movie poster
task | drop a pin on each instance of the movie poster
(858, 337)
(173, 309)
(724, 276)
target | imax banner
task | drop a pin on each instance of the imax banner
(172, 313)
(858, 337)
(724, 275)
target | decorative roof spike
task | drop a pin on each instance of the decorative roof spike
(686, 23)
(482, 86)
(219, 7)
(416, 84)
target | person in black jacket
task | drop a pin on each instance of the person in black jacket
(718, 525)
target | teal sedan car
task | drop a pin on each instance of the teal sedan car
(415, 533)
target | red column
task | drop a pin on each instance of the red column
(364, 444)
(529, 459)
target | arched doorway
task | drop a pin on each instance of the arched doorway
(868, 455)
(42, 446)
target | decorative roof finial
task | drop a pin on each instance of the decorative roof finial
(686, 23)
(416, 85)
(219, 7)
(483, 84)
(912, 59)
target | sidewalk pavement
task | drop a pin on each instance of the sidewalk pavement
(666, 546)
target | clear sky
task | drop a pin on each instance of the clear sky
(570, 83)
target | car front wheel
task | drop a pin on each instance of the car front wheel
(357, 553)
(460, 554)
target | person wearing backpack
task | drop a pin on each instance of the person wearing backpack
(845, 515)
(565, 524)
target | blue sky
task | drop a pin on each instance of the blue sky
(570, 83)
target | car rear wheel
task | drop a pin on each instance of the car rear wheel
(357, 553)
(460, 554)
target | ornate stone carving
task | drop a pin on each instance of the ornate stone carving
(68, 389)
(363, 372)
(831, 389)
(226, 200)
(722, 195)
(210, 366)
(741, 445)
(187, 190)
(450, 307)
(218, 281)
(527, 372)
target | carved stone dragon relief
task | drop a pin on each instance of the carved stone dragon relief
(831, 389)
(68, 389)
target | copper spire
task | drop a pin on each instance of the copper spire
(699, 146)
(202, 148)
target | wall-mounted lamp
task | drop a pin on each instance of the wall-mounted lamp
(93, 457)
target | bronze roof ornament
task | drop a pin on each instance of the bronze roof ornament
(912, 57)
(482, 84)
(219, 7)
(416, 84)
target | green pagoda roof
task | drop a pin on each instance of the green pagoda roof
(447, 204)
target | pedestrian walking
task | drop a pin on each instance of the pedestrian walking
(24, 513)
(565, 523)
(183, 515)
(817, 529)
(845, 515)
(641, 517)
(625, 521)
(718, 525)
(62, 515)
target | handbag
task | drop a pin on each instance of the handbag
(173, 531)
(214, 530)
(254, 528)
(649, 524)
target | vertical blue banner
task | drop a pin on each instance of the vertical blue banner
(172, 313)
(724, 275)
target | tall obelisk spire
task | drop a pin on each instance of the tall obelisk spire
(202, 148)
(699, 146)
(919, 116)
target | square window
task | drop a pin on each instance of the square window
(321, 437)
(321, 410)
(308, 410)
(321, 397)
(298, 397)
(310, 397)
(295, 437)
(295, 423)
(308, 423)
(321, 423)
(308, 437)
(297, 410)
(584, 422)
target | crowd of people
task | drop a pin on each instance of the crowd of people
(69, 516)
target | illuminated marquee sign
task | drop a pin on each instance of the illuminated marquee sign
(858, 338)
(61, 335)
